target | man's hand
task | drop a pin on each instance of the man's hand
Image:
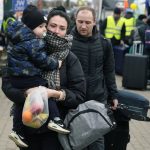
(114, 104)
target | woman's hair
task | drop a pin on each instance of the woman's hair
(89, 9)
(58, 12)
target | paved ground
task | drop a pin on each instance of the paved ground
(140, 131)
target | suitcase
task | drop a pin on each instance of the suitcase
(135, 72)
(119, 54)
(118, 138)
(133, 105)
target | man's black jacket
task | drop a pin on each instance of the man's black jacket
(96, 56)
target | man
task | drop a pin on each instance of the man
(130, 23)
(141, 20)
(8, 17)
(97, 60)
(144, 36)
(113, 27)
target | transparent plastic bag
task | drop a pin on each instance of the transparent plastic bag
(35, 111)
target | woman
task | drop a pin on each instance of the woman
(72, 87)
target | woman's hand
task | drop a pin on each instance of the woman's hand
(59, 95)
(30, 90)
(33, 89)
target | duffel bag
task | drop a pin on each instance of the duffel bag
(87, 123)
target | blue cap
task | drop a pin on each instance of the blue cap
(129, 10)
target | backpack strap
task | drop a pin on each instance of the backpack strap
(104, 43)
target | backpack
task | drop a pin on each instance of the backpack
(147, 38)
(87, 123)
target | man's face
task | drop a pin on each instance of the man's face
(85, 23)
(116, 16)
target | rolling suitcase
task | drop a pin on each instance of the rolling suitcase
(119, 54)
(133, 105)
(135, 72)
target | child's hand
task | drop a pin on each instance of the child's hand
(60, 63)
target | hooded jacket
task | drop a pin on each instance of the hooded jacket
(26, 54)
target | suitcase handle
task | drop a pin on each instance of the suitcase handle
(137, 48)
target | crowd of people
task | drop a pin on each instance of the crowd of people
(73, 62)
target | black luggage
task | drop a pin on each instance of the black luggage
(135, 72)
(118, 138)
(119, 54)
(133, 105)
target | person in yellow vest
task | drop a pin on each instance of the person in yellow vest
(130, 23)
(113, 27)
(8, 17)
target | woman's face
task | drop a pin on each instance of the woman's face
(58, 25)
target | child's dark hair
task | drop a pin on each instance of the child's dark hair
(57, 12)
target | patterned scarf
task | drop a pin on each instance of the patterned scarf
(56, 47)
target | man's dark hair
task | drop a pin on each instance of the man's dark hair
(89, 9)
(117, 11)
(58, 12)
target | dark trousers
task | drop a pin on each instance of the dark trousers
(44, 141)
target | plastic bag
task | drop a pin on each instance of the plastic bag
(35, 111)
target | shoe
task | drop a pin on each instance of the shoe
(58, 126)
(18, 139)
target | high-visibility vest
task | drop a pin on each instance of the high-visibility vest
(130, 25)
(5, 23)
(113, 28)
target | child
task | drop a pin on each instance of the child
(26, 62)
